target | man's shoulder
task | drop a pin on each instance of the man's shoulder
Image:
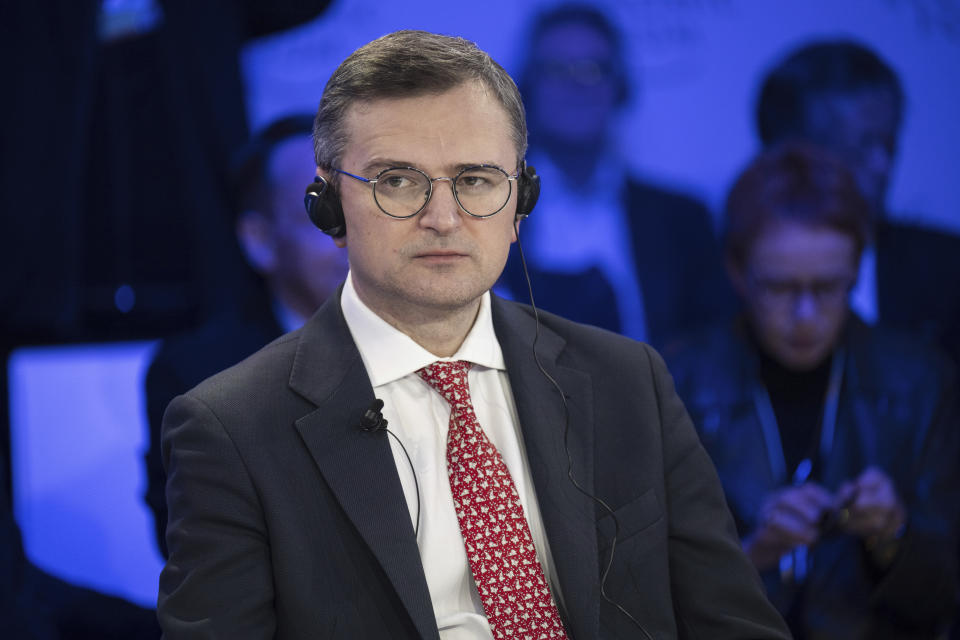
(904, 239)
(269, 364)
(719, 345)
(564, 327)
(254, 378)
(221, 341)
(892, 360)
(711, 361)
(582, 343)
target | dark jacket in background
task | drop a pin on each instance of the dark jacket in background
(113, 168)
(677, 262)
(918, 276)
(35, 605)
(184, 361)
(114, 161)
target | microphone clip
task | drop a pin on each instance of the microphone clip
(373, 420)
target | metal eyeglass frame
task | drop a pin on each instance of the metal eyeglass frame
(453, 186)
(825, 297)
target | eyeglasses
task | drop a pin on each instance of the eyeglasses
(402, 192)
(784, 294)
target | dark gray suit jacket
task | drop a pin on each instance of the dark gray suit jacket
(288, 521)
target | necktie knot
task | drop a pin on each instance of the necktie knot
(449, 379)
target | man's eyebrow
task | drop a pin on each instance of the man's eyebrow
(467, 165)
(379, 164)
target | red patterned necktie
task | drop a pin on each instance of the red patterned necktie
(509, 578)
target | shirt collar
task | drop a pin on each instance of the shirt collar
(388, 354)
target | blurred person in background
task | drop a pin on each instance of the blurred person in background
(608, 248)
(836, 442)
(842, 96)
(36, 605)
(114, 165)
(143, 101)
(297, 270)
(114, 199)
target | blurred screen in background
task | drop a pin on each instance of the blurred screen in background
(78, 433)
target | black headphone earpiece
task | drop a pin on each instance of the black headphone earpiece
(528, 190)
(324, 208)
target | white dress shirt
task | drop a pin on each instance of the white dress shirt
(419, 417)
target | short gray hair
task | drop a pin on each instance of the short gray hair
(407, 64)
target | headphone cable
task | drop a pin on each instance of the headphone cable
(566, 448)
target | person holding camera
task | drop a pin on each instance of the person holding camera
(835, 442)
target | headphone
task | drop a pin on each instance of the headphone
(326, 212)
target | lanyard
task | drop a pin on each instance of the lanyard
(828, 426)
(794, 564)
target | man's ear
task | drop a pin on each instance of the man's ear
(340, 241)
(255, 235)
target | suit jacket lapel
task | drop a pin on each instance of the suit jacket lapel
(855, 442)
(357, 465)
(568, 515)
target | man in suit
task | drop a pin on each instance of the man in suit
(295, 272)
(522, 478)
(842, 96)
(615, 250)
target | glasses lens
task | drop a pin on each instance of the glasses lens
(482, 191)
(401, 192)
(832, 292)
(785, 294)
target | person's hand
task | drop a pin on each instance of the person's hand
(789, 518)
(869, 507)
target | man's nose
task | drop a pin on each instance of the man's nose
(805, 306)
(442, 213)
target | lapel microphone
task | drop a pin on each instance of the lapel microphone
(372, 421)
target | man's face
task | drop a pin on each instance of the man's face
(861, 128)
(307, 265)
(574, 87)
(442, 259)
(795, 284)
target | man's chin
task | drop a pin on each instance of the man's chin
(448, 294)
(802, 359)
